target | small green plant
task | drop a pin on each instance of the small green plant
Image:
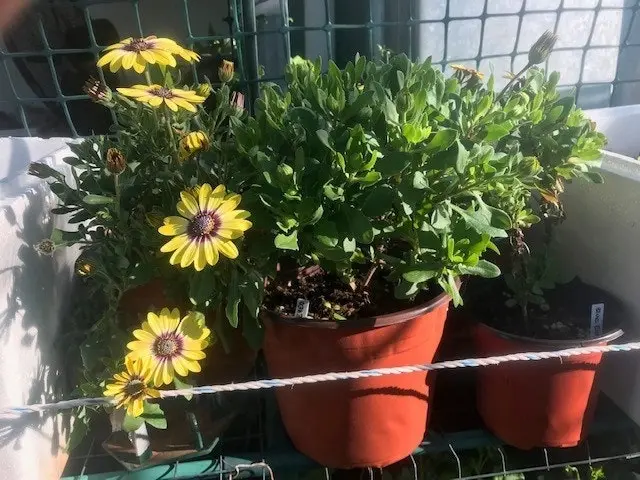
(379, 172)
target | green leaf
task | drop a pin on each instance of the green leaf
(362, 101)
(420, 181)
(483, 269)
(202, 287)
(442, 140)
(92, 199)
(497, 131)
(131, 424)
(287, 242)
(594, 177)
(462, 157)
(449, 286)
(323, 136)
(79, 431)
(393, 163)
(154, 416)
(309, 212)
(252, 290)
(379, 201)
(419, 276)
(326, 233)
(358, 224)
(180, 385)
(370, 178)
(479, 222)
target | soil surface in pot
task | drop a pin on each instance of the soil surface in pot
(568, 316)
(330, 298)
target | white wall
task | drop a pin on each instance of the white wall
(600, 241)
(32, 289)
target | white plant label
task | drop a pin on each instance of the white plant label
(597, 319)
(302, 308)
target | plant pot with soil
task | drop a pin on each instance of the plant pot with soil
(161, 238)
(366, 193)
(547, 403)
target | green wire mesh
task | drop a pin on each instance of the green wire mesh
(45, 56)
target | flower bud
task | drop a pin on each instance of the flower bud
(542, 48)
(116, 163)
(204, 90)
(225, 71)
(97, 91)
(192, 143)
(403, 102)
(237, 100)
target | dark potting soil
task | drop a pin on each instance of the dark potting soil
(330, 298)
(568, 316)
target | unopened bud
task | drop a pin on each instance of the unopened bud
(542, 48)
(97, 91)
(116, 163)
(403, 102)
(225, 71)
(204, 90)
(85, 266)
(237, 100)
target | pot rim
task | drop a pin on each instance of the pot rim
(366, 322)
(582, 342)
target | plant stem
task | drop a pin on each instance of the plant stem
(147, 75)
(116, 185)
(515, 77)
(172, 137)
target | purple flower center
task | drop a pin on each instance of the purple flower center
(138, 45)
(134, 387)
(161, 92)
(168, 345)
(203, 224)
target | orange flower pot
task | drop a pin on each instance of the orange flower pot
(546, 403)
(358, 422)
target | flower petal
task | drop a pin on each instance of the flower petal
(174, 225)
(240, 225)
(179, 366)
(227, 248)
(180, 102)
(203, 196)
(211, 253)
(155, 323)
(171, 104)
(229, 204)
(188, 254)
(176, 257)
(190, 203)
(200, 259)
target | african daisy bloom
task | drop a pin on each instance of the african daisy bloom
(156, 95)
(208, 224)
(137, 52)
(130, 389)
(168, 345)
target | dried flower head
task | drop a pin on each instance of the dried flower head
(97, 91)
(116, 163)
(204, 90)
(226, 71)
(467, 75)
(542, 48)
(45, 247)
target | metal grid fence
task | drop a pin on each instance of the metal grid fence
(48, 55)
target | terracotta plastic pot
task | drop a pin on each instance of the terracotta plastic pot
(360, 422)
(547, 403)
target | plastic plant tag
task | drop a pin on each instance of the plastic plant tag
(597, 319)
(302, 308)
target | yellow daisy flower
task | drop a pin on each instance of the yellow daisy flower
(192, 143)
(137, 52)
(156, 95)
(167, 345)
(208, 223)
(131, 389)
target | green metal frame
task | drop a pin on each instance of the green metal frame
(354, 25)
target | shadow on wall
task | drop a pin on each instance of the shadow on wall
(33, 290)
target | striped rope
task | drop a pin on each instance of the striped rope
(12, 412)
